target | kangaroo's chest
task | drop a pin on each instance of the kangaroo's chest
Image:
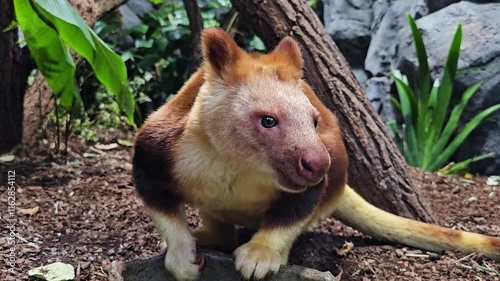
(226, 189)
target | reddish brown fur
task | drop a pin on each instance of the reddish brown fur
(222, 53)
(331, 136)
(445, 232)
(154, 144)
(495, 242)
(219, 49)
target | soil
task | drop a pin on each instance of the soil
(89, 216)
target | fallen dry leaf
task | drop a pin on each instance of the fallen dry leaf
(34, 188)
(7, 158)
(103, 183)
(346, 248)
(106, 146)
(30, 211)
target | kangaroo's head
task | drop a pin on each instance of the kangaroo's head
(254, 111)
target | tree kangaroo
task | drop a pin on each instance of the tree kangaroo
(247, 142)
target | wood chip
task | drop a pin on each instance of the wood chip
(34, 188)
(346, 248)
(30, 211)
(7, 158)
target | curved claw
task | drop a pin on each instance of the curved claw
(201, 262)
(256, 262)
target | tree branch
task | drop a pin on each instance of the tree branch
(104, 6)
(196, 25)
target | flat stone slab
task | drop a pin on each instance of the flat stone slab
(218, 267)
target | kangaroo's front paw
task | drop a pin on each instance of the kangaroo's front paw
(183, 262)
(255, 261)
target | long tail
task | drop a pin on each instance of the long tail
(354, 211)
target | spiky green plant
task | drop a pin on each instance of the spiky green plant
(428, 134)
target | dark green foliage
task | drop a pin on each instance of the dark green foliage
(160, 50)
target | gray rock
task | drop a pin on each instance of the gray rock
(352, 23)
(361, 75)
(435, 5)
(378, 92)
(218, 267)
(140, 7)
(346, 19)
(349, 23)
(480, 48)
(129, 17)
(390, 20)
(486, 138)
(133, 10)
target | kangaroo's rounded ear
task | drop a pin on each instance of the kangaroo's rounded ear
(290, 49)
(219, 49)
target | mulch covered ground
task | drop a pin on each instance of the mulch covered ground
(88, 215)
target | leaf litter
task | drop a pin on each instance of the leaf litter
(89, 215)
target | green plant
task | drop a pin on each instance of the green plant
(102, 118)
(428, 134)
(49, 27)
(160, 50)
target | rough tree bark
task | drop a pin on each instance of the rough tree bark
(38, 101)
(14, 68)
(376, 170)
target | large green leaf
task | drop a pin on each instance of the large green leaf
(424, 74)
(454, 119)
(109, 68)
(70, 26)
(64, 26)
(461, 136)
(463, 165)
(429, 119)
(446, 85)
(49, 53)
(111, 71)
(424, 82)
(406, 99)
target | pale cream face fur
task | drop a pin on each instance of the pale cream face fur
(276, 149)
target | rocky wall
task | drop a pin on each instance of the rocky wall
(375, 38)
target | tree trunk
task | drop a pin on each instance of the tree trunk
(376, 169)
(38, 100)
(12, 84)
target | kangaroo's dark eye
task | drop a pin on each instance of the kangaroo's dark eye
(316, 123)
(268, 121)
